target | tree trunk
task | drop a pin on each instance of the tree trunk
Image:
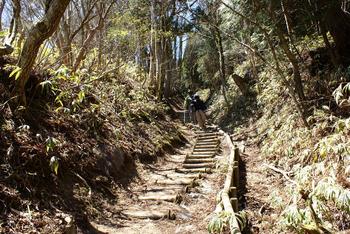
(168, 67)
(158, 53)
(100, 48)
(337, 22)
(179, 59)
(160, 67)
(333, 55)
(152, 48)
(169, 58)
(252, 59)
(15, 22)
(84, 49)
(161, 52)
(240, 82)
(2, 6)
(286, 17)
(13, 29)
(298, 85)
(317, 16)
(36, 36)
(222, 71)
(66, 43)
(277, 68)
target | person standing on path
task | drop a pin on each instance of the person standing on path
(189, 105)
(200, 107)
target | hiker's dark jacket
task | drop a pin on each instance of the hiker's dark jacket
(199, 105)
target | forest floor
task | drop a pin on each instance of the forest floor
(257, 184)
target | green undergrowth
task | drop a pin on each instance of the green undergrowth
(316, 197)
(76, 144)
(224, 222)
(317, 159)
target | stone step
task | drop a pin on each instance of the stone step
(201, 148)
(178, 177)
(193, 170)
(174, 188)
(201, 156)
(149, 214)
(209, 134)
(198, 165)
(183, 181)
(201, 138)
(208, 145)
(182, 176)
(213, 151)
(201, 160)
(206, 141)
(162, 196)
(204, 152)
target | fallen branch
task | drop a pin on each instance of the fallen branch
(104, 74)
(284, 173)
(84, 181)
(308, 200)
(2, 106)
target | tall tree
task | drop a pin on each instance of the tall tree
(210, 18)
(36, 36)
(284, 44)
(103, 11)
(2, 6)
(292, 87)
(15, 22)
(7, 48)
(337, 22)
(74, 22)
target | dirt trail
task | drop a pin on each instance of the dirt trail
(256, 187)
(174, 195)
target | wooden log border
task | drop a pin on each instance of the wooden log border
(229, 193)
